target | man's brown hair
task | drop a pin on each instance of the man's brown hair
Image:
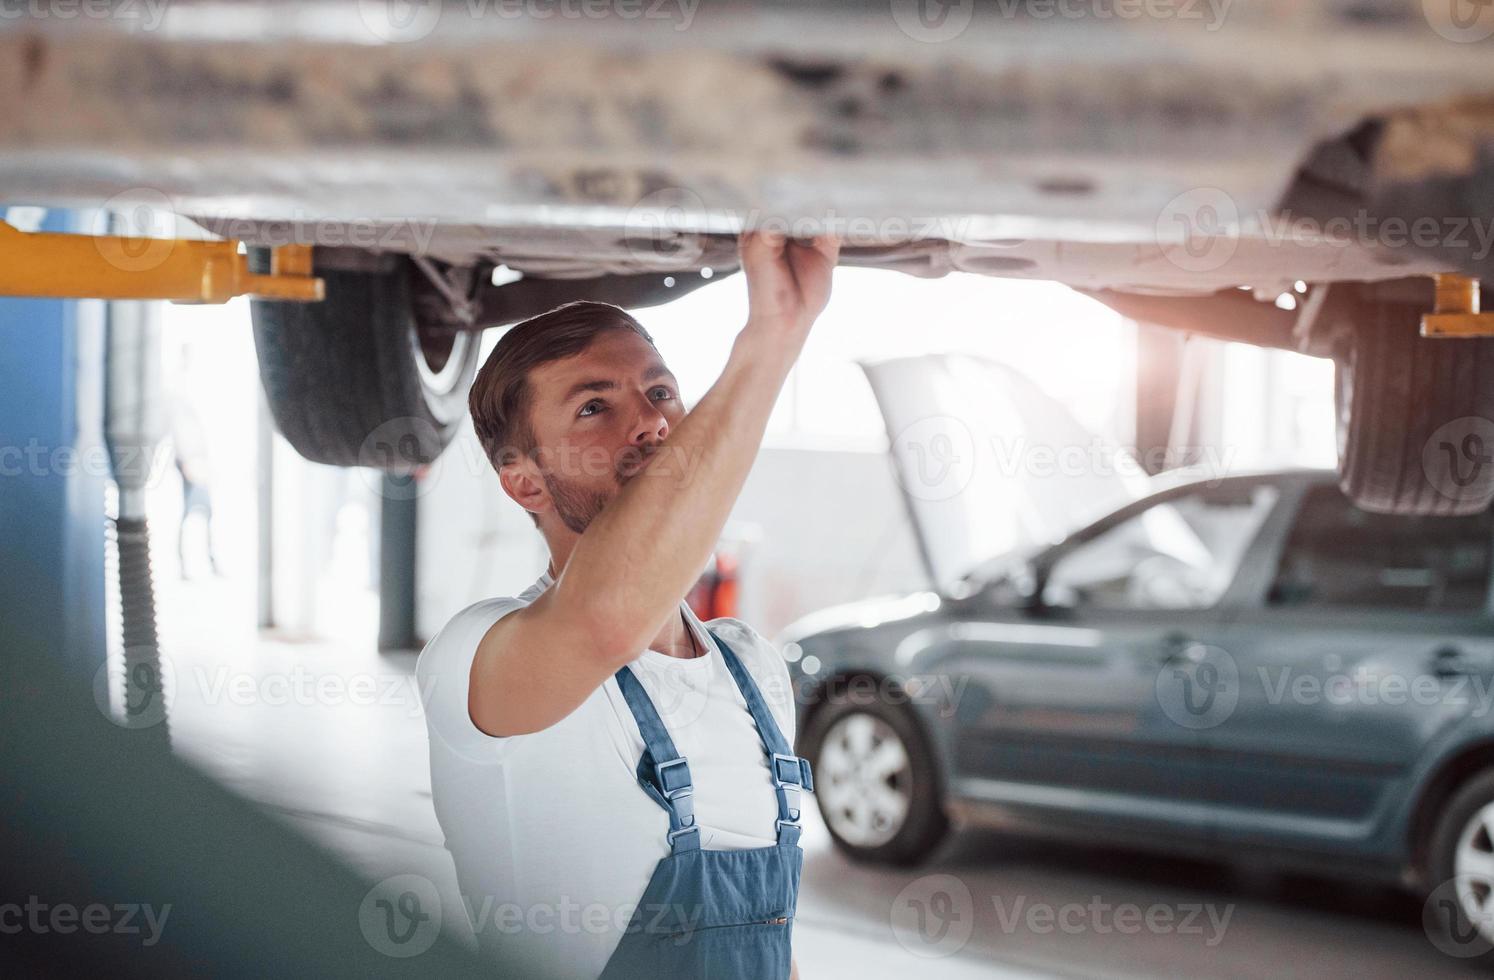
(499, 399)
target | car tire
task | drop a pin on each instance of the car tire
(353, 380)
(923, 824)
(1415, 416)
(1449, 917)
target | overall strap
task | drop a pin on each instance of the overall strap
(662, 771)
(790, 773)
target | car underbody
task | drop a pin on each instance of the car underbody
(1257, 170)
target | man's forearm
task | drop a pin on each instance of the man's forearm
(635, 562)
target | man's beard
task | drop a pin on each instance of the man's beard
(576, 507)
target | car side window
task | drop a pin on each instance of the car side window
(1179, 554)
(1340, 556)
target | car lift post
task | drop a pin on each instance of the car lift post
(53, 470)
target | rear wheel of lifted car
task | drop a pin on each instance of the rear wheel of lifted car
(876, 781)
(359, 379)
(1415, 416)
(1459, 909)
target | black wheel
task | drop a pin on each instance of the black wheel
(1459, 910)
(355, 380)
(876, 780)
(1415, 415)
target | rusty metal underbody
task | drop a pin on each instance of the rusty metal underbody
(1142, 155)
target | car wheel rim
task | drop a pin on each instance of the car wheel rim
(1473, 871)
(440, 359)
(864, 780)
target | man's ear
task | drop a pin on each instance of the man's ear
(520, 479)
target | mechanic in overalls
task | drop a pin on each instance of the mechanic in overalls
(615, 778)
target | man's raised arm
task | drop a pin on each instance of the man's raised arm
(634, 563)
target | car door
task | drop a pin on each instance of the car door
(1368, 636)
(1071, 706)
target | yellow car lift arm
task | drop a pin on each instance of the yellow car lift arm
(63, 266)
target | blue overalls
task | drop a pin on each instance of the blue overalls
(727, 914)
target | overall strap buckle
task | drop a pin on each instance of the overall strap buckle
(791, 775)
(672, 779)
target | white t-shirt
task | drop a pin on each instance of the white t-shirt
(552, 837)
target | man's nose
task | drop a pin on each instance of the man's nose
(651, 425)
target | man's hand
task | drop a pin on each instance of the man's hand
(788, 281)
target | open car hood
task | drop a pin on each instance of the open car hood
(988, 463)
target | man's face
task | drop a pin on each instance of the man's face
(596, 419)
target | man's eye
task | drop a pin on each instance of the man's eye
(662, 393)
(591, 408)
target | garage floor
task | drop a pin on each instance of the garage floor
(329, 736)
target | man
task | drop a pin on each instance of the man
(614, 779)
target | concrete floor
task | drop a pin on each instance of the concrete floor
(329, 737)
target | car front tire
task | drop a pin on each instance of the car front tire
(1459, 909)
(876, 780)
(354, 380)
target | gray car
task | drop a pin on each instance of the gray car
(1251, 667)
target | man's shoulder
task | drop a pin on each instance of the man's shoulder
(459, 637)
(741, 636)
